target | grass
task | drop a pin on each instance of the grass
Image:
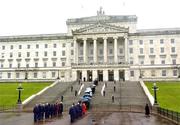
(9, 94)
(168, 95)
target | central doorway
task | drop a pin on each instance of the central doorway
(111, 75)
(100, 75)
(89, 75)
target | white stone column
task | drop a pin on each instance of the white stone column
(126, 49)
(84, 75)
(94, 75)
(105, 75)
(116, 74)
(74, 75)
(127, 74)
(95, 50)
(68, 52)
(67, 75)
(75, 51)
(115, 50)
(105, 49)
(85, 50)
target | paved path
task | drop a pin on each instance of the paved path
(102, 118)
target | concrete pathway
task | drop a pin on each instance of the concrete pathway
(102, 118)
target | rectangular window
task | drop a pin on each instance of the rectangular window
(163, 72)
(2, 65)
(100, 51)
(162, 61)
(141, 50)
(19, 65)
(150, 41)
(132, 73)
(28, 46)
(19, 54)
(72, 52)
(130, 42)
(152, 62)
(161, 41)
(12, 46)
(53, 74)
(72, 44)
(44, 74)
(54, 53)
(54, 64)
(54, 45)
(46, 46)
(130, 50)
(37, 46)
(172, 41)
(45, 53)
(28, 54)
(162, 49)
(153, 73)
(63, 53)
(151, 50)
(91, 51)
(131, 62)
(174, 61)
(9, 75)
(11, 55)
(173, 49)
(3, 47)
(64, 45)
(35, 74)
(36, 64)
(63, 63)
(110, 51)
(27, 65)
(17, 75)
(45, 64)
(174, 72)
(20, 46)
(140, 42)
(10, 65)
(37, 54)
(121, 50)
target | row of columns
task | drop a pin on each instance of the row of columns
(85, 56)
(105, 74)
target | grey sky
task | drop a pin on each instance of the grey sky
(21, 17)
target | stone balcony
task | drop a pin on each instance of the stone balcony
(99, 65)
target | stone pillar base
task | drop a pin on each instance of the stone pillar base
(19, 107)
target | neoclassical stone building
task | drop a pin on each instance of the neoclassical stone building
(102, 47)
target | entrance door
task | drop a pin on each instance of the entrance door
(100, 75)
(121, 75)
(111, 75)
(89, 75)
(79, 75)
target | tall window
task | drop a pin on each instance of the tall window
(45, 53)
(161, 41)
(72, 52)
(28, 46)
(175, 72)
(132, 73)
(162, 49)
(10, 65)
(19, 54)
(54, 53)
(172, 41)
(37, 46)
(140, 42)
(53, 74)
(173, 49)
(163, 72)
(17, 75)
(28, 54)
(130, 42)
(153, 73)
(11, 47)
(11, 55)
(46, 46)
(64, 45)
(19, 65)
(174, 61)
(3, 47)
(37, 54)
(152, 62)
(45, 64)
(130, 50)
(54, 64)
(121, 50)
(44, 74)
(151, 42)
(162, 61)
(9, 75)
(54, 45)
(35, 74)
(36, 64)
(72, 44)
(63, 53)
(141, 50)
(20, 46)
(151, 50)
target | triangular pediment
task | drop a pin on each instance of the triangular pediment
(100, 28)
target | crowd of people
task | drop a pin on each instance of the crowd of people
(77, 111)
(47, 111)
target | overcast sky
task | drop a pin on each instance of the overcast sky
(22, 17)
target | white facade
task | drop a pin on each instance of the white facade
(101, 47)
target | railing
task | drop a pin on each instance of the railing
(172, 115)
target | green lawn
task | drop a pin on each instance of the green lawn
(9, 94)
(168, 95)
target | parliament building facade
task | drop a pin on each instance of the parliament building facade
(102, 47)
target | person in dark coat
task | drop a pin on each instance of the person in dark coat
(35, 111)
(61, 108)
(72, 113)
(71, 88)
(46, 111)
(147, 110)
(79, 107)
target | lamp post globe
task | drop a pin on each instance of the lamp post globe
(19, 94)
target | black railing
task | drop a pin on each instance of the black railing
(4, 108)
(172, 115)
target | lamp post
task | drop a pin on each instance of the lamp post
(19, 96)
(155, 88)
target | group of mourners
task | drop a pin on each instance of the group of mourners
(46, 111)
(77, 111)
